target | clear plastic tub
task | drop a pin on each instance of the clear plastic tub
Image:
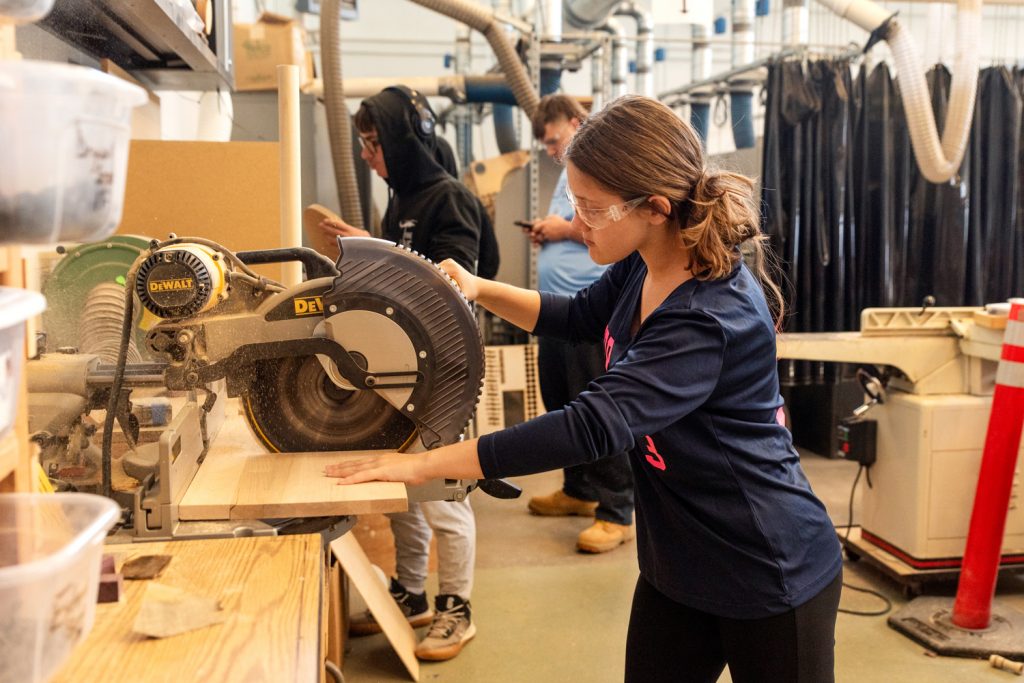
(23, 11)
(50, 551)
(64, 132)
(16, 306)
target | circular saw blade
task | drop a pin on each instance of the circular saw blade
(293, 406)
(392, 281)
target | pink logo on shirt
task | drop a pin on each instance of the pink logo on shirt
(653, 456)
(609, 344)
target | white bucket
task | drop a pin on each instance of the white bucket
(51, 546)
(24, 11)
(64, 132)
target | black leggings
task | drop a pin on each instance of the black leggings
(673, 643)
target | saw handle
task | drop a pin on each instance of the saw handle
(317, 265)
(499, 488)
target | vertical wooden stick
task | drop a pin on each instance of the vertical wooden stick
(291, 171)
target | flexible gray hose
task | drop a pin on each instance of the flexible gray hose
(101, 323)
(339, 127)
(482, 20)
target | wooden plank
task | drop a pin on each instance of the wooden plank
(383, 607)
(253, 485)
(240, 480)
(269, 588)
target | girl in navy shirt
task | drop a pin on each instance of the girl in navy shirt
(739, 563)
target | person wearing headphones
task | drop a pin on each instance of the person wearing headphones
(434, 214)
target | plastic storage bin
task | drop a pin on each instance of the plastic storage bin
(50, 551)
(23, 11)
(64, 132)
(16, 306)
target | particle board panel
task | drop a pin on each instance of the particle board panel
(228, 192)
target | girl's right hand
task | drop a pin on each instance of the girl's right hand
(466, 281)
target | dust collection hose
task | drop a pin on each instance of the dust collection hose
(938, 163)
(339, 125)
(483, 20)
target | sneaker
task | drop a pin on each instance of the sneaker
(413, 605)
(603, 536)
(561, 504)
(451, 629)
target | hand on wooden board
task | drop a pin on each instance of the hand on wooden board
(403, 467)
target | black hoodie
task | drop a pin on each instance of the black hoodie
(429, 211)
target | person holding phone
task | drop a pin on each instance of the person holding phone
(603, 488)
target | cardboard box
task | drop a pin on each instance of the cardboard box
(274, 39)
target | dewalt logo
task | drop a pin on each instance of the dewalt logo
(172, 285)
(308, 305)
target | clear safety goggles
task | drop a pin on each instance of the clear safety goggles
(599, 219)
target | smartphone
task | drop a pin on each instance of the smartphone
(526, 225)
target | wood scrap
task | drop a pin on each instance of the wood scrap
(111, 587)
(145, 567)
(168, 610)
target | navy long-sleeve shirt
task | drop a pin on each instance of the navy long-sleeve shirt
(726, 520)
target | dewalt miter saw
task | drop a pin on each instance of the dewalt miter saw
(377, 351)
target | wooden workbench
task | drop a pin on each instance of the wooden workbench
(270, 589)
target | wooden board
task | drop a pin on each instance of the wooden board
(269, 588)
(383, 607)
(240, 480)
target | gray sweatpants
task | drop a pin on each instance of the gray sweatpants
(455, 527)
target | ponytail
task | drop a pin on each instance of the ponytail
(717, 218)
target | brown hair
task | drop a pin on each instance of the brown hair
(364, 120)
(555, 107)
(636, 147)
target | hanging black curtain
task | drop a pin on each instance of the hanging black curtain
(854, 222)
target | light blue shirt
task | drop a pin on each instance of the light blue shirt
(564, 267)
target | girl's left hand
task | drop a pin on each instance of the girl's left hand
(404, 467)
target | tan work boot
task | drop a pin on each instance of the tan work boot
(603, 536)
(561, 504)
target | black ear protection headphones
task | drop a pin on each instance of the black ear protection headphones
(423, 121)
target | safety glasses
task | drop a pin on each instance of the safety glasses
(599, 219)
(371, 145)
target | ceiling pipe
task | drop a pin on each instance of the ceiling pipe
(485, 21)
(644, 45)
(795, 22)
(742, 97)
(700, 69)
(620, 58)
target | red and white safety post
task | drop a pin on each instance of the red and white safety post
(972, 608)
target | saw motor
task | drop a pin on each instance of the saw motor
(369, 353)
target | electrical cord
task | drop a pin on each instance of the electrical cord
(846, 539)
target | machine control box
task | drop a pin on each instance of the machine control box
(856, 439)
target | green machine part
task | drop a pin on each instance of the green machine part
(68, 285)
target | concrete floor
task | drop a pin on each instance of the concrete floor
(547, 613)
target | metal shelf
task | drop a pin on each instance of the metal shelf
(149, 39)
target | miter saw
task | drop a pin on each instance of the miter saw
(377, 351)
